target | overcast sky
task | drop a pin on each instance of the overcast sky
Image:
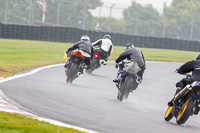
(121, 4)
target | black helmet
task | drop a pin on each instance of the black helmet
(129, 45)
(198, 57)
(107, 36)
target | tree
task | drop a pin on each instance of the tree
(183, 19)
(17, 11)
(2, 10)
(72, 13)
(142, 20)
(116, 25)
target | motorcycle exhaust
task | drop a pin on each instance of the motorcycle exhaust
(181, 93)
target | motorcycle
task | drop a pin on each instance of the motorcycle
(97, 60)
(186, 103)
(75, 66)
(129, 80)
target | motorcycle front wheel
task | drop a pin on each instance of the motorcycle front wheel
(169, 114)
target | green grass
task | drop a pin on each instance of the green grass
(160, 54)
(19, 55)
(12, 123)
(168, 55)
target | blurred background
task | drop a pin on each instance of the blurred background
(178, 19)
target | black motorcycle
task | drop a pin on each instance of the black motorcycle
(97, 60)
(75, 66)
(186, 103)
(129, 80)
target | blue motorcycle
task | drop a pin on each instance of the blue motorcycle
(128, 79)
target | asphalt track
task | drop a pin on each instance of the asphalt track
(90, 102)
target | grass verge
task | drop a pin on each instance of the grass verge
(19, 55)
(21, 124)
(160, 54)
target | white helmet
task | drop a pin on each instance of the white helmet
(85, 38)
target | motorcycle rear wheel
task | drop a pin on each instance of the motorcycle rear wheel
(185, 113)
(72, 74)
(125, 89)
(93, 66)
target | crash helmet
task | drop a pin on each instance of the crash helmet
(107, 36)
(128, 46)
(198, 57)
(85, 38)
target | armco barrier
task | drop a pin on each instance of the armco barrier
(70, 34)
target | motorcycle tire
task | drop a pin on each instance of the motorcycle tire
(93, 66)
(169, 114)
(187, 110)
(125, 89)
(72, 74)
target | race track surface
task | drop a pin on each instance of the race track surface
(90, 102)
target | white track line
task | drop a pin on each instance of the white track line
(29, 73)
(12, 109)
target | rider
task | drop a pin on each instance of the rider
(134, 54)
(106, 47)
(85, 47)
(190, 66)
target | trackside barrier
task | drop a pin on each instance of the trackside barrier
(70, 34)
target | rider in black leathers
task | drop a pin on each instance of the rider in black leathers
(134, 54)
(190, 66)
(85, 47)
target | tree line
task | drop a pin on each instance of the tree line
(179, 20)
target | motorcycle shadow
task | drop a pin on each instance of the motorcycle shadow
(97, 75)
(76, 85)
(183, 125)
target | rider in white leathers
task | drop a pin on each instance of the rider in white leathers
(106, 47)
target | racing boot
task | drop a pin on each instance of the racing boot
(117, 80)
(66, 65)
(104, 62)
(119, 76)
(171, 103)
